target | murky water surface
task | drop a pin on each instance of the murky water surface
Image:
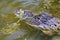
(9, 30)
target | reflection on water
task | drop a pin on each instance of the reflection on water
(7, 8)
(17, 34)
(56, 38)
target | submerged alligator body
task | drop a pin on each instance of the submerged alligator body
(43, 21)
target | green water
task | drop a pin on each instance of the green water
(8, 31)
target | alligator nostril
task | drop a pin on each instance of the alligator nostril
(17, 12)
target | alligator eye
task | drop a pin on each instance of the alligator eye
(38, 18)
(55, 24)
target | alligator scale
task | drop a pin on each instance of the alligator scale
(43, 21)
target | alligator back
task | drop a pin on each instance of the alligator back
(45, 23)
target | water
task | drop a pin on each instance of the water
(23, 31)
